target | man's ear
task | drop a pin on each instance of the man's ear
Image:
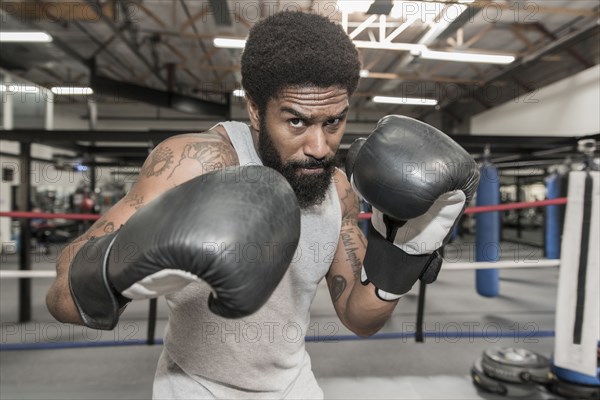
(253, 113)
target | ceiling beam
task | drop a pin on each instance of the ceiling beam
(152, 15)
(70, 137)
(186, 10)
(116, 89)
(572, 52)
(131, 46)
(108, 53)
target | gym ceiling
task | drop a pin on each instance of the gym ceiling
(163, 53)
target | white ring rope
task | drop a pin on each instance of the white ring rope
(15, 274)
(448, 265)
(541, 263)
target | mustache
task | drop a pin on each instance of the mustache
(312, 163)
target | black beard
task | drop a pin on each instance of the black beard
(311, 189)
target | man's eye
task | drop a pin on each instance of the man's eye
(295, 122)
(333, 121)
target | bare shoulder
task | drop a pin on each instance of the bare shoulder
(348, 199)
(177, 160)
(183, 157)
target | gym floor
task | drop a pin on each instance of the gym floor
(345, 366)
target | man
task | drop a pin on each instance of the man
(298, 71)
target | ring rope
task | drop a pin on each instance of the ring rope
(448, 265)
(542, 263)
(21, 274)
(364, 215)
(29, 215)
(499, 207)
(515, 206)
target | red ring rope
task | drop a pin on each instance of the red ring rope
(514, 206)
(468, 210)
(500, 207)
(26, 214)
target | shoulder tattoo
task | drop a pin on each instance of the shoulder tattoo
(212, 155)
(160, 160)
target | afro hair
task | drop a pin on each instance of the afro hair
(297, 49)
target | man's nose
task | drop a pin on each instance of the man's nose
(316, 144)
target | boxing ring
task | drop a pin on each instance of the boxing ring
(581, 208)
(419, 335)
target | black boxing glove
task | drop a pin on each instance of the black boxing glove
(417, 180)
(236, 229)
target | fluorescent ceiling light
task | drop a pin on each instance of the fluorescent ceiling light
(415, 49)
(25, 37)
(466, 57)
(239, 93)
(229, 43)
(70, 90)
(405, 101)
(420, 50)
(19, 88)
(364, 73)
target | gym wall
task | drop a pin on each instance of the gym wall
(568, 107)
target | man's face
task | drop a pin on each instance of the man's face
(299, 136)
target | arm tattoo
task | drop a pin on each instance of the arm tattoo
(79, 239)
(109, 228)
(350, 231)
(211, 155)
(134, 200)
(102, 224)
(349, 206)
(338, 285)
(351, 249)
(161, 160)
(99, 224)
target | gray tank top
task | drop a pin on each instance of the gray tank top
(262, 355)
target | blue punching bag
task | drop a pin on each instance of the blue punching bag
(553, 217)
(487, 238)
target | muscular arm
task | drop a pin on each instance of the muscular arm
(357, 306)
(174, 161)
